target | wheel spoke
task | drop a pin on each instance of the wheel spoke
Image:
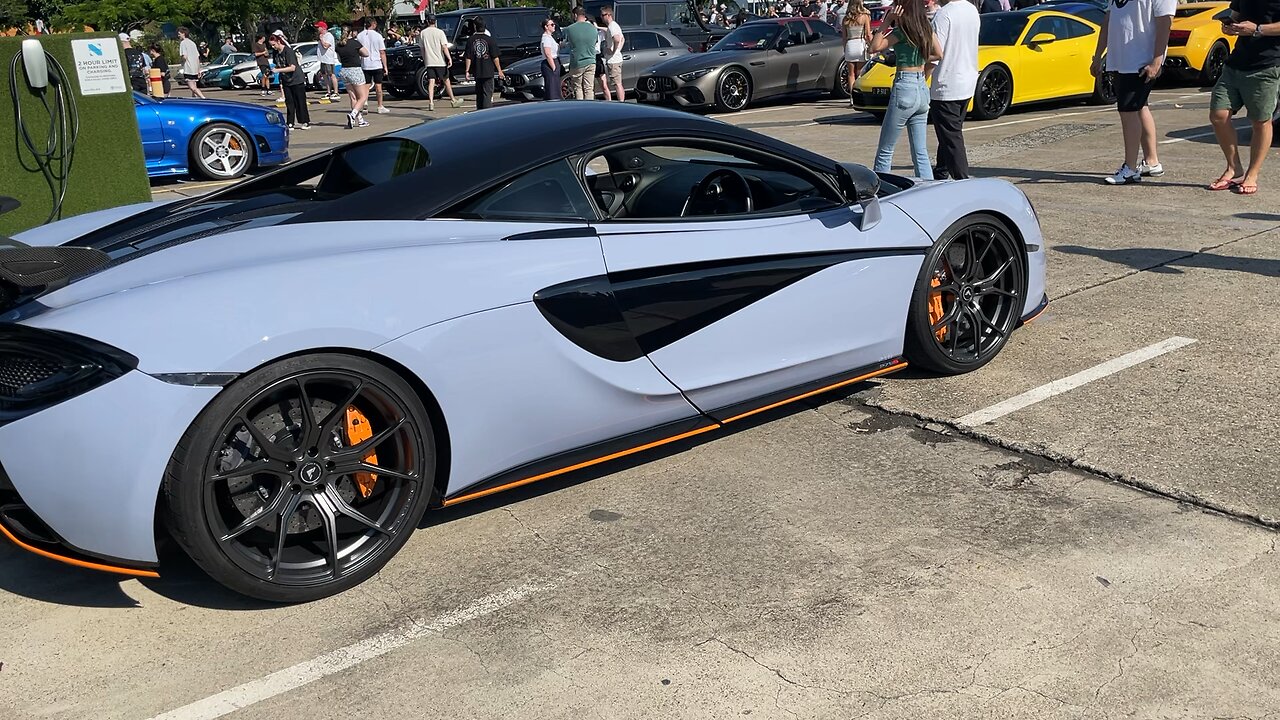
(995, 291)
(282, 532)
(330, 421)
(369, 445)
(947, 318)
(343, 507)
(329, 517)
(991, 279)
(361, 466)
(257, 517)
(265, 446)
(991, 240)
(310, 435)
(266, 465)
(971, 267)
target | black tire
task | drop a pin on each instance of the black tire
(733, 90)
(1104, 89)
(978, 304)
(1214, 61)
(237, 83)
(221, 151)
(994, 94)
(420, 84)
(841, 89)
(276, 507)
(403, 93)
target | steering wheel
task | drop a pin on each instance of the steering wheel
(721, 192)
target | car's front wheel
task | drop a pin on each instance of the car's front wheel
(303, 478)
(221, 152)
(968, 297)
(1104, 89)
(995, 93)
(733, 91)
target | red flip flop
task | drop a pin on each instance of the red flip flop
(1225, 184)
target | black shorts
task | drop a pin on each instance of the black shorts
(600, 66)
(190, 78)
(1132, 91)
(437, 72)
(373, 77)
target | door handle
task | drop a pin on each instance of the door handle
(757, 63)
(626, 57)
(814, 54)
(662, 54)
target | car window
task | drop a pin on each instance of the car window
(551, 192)
(797, 33)
(629, 15)
(697, 180)
(662, 41)
(1076, 29)
(823, 29)
(1224, 14)
(1001, 28)
(640, 40)
(371, 163)
(655, 14)
(503, 26)
(679, 14)
(531, 25)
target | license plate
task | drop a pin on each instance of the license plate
(880, 91)
(650, 96)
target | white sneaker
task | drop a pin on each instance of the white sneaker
(362, 122)
(1150, 170)
(1124, 176)
(382, 110)
(304, 126)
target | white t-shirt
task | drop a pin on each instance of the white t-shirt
(1131, 32)
(328, 56)
(190, 57)
(432, 41)
(615, 32)
(956, 24)
(372, 41)
(550, 42)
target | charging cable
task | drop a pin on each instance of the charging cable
(54, 159)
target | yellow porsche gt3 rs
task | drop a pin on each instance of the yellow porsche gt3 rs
(1025, 56)
(1197, 44)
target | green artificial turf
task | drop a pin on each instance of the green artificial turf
(107, 168)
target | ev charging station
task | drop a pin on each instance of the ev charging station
(70, 142)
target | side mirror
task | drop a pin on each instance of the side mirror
(1042, 39)
(859, 185)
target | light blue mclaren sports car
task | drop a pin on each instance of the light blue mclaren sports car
(284, 375)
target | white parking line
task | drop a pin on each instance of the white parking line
(292, 678)
(1084, 377)
(1198, 135)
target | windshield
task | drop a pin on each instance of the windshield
(449, 25)
(1001, 28)
(749, 37)
(222, 59)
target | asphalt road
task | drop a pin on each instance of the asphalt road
(1082, 529)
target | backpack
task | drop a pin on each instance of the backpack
(137, 64)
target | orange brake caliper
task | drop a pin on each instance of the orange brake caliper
(935, 309)
(359, 430)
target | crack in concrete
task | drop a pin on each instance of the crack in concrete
(1133, 641)
(528, 529)
(776, 671)
(1202, 251)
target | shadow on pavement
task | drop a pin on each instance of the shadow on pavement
(1267, 217)
(1168, 261)
(1024, 175)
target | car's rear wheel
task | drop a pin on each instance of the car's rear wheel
(968, 297)
(995, 93)
(302, 479)
(221, 152)
(1213, 63)
(841, 89)
(733, 90)
(404, 93)
(1104, 89)
(238, 83)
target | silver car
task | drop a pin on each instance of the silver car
(761, 59)
(642, 50)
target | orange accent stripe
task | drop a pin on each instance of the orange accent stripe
(588, 463)
(74, 561)
(1038, 314)
(819, 391)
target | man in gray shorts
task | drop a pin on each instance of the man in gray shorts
(1251, 79)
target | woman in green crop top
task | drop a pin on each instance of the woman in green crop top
(911, 36)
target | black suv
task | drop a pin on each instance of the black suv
(516, 31)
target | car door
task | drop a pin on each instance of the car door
(819, 57)
(1044, 68)
(642, 50)
(1076, 50)
(792, 66)
(151, 130)
(741, 305)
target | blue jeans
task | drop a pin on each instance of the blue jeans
(908, 107)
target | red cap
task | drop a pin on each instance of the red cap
(323, 24)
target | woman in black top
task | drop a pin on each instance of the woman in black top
(349, 53)
(158, 62)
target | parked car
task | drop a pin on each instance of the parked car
(681, 19)
(516, 31)
(641, 50)
(212, 74)
(217, 139)
(764, 58)
(1025, 56)
(610, 278)
(1197, 45)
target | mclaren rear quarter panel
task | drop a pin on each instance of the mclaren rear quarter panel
(937, 206)
(230, 303)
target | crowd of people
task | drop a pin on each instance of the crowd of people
(1132, 46)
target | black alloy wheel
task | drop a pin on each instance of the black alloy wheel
(1104, 89)
(1213, 64)
(995, 93)
(404, 93)
(733, 90)
(302, 479)
(968, 298)
(842, 89)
